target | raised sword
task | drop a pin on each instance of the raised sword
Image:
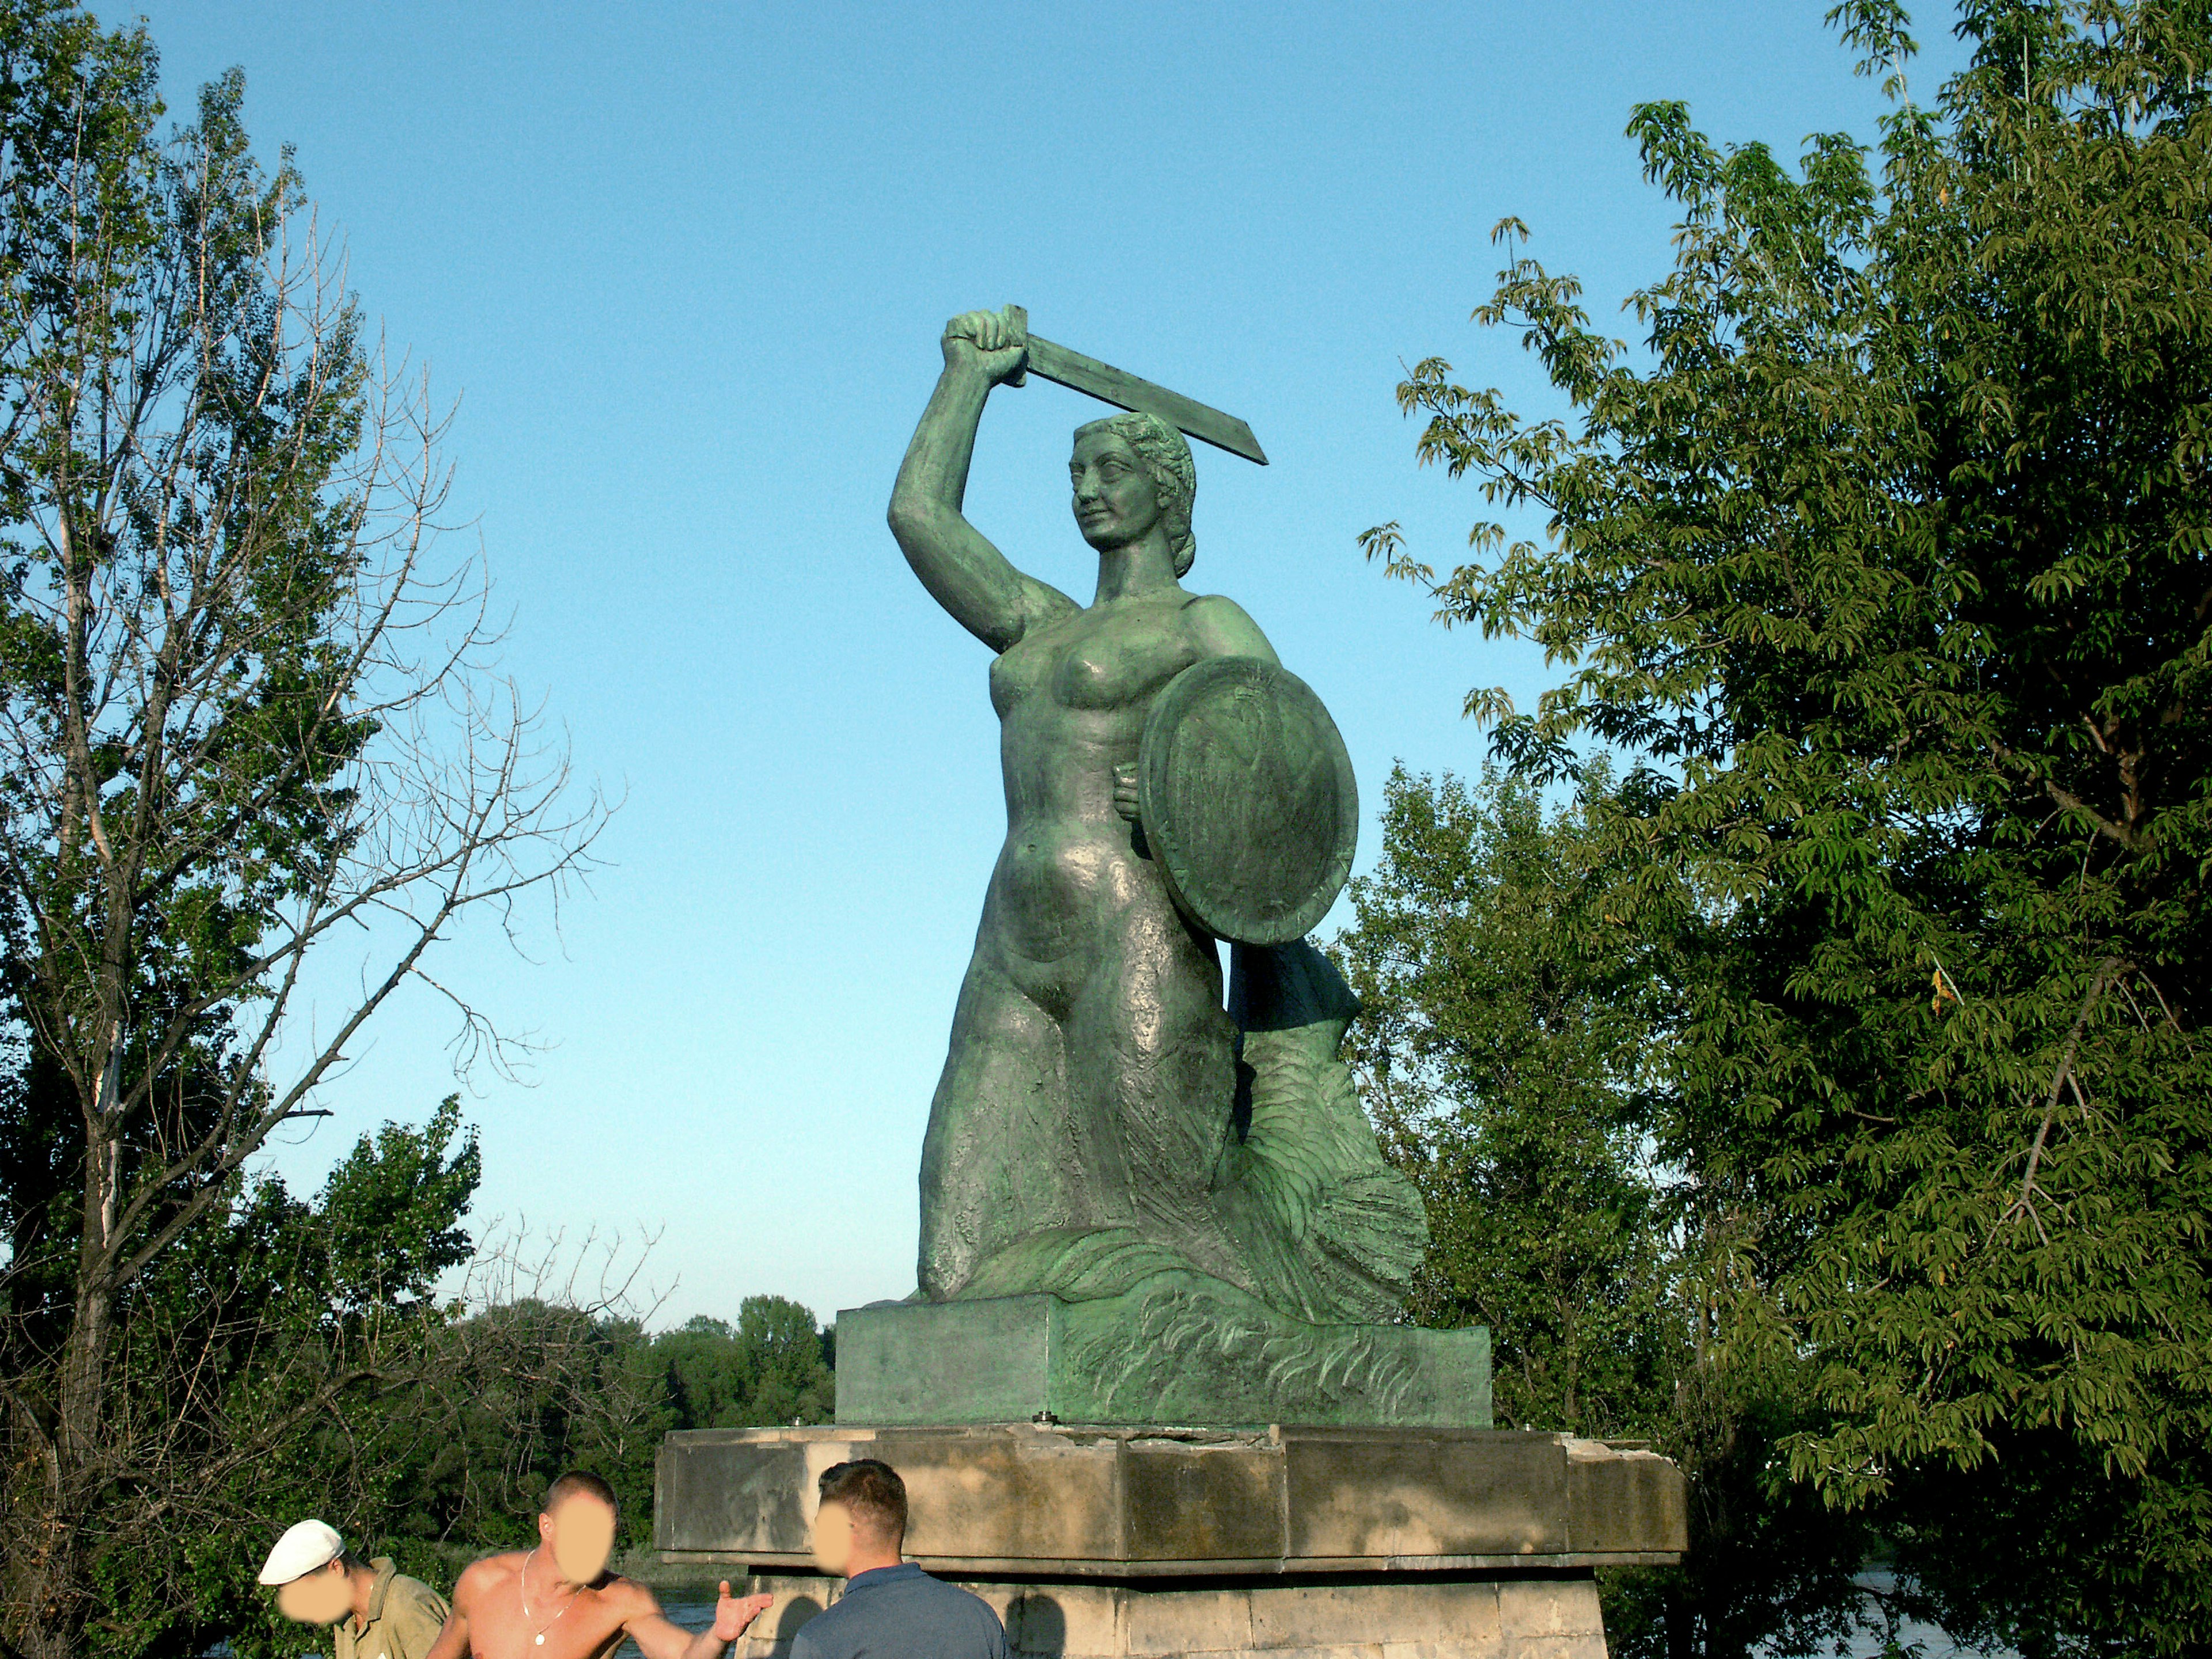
(1125, 391)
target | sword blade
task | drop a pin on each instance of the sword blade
(1125, 391)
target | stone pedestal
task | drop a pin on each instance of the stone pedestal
(1307, 1541)
(1159, 1355)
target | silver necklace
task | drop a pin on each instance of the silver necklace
(522, 1590)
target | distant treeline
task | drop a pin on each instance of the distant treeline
(562, 1388)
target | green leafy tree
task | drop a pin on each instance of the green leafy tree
(1511, 1022)
(562, 1376)
(243, 721)
(1891, 555)
(1520, 997)
(549, 1385)
(288, 1352)
(773, 1367)
(543, 1365)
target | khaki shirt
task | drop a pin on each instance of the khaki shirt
(404, 1617)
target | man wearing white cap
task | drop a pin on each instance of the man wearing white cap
(378, 1612)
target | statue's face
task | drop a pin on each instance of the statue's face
(1114, 502)
(321, 1597)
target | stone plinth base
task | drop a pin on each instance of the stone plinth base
(1435, 1542)
(1167, 1353)
(1403, 1617)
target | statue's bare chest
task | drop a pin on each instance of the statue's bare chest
(1104, 658)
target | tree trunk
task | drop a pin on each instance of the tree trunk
(56, 1605)
(84, 1365)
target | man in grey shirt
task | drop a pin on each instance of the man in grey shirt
(889, 1607)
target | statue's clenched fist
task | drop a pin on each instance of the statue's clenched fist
(1127, 799)
(997, 341)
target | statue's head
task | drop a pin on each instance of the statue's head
(1164, 459)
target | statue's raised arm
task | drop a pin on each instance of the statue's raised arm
(962, 571)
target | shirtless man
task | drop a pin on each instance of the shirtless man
(559, 1601)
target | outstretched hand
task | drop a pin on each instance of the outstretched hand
(732, 1614)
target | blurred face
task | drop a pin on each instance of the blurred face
(321, 1597)
(833, 1537)
(1115, 502)
(580, 1535)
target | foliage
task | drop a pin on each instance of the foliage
(242, 720)
(1511, 1023)
(552, 1380)
(1889, 564)
(533, 1387)
(1519, 1003)
(290, 1369)
(1771, 1569)
(329, 1377)
(773, 1366)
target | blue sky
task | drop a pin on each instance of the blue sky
(685, 267)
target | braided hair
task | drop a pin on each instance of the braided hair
(1161, 450)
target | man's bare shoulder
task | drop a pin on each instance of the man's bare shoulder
(628, 1597)
(480, 1577)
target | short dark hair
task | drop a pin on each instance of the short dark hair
(872, 1493)
(580, 1480)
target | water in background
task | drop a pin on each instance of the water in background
(1925, 1641)
(1933, 1644)
(692, 1616)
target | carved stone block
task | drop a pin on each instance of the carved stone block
(1176, 1351)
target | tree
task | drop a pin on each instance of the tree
(1890, 560)
(1510, 1024)
(533, 1386)
(246, 721)
(1519, 1003)
(550, 1371)
(287, 1354)
(772, 1368)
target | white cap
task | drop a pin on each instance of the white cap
(304, 1547)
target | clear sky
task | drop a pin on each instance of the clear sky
(685, 266)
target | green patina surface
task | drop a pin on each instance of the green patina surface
(1161, 1207)
(1180, 1349)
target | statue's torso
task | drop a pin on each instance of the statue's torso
(1071, 698)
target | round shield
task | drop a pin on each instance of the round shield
(1247, 799)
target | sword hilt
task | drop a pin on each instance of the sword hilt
(1019, 317)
